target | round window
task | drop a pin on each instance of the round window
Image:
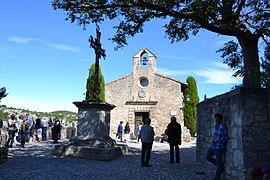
(144, 82)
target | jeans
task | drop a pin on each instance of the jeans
(19, 136)
(177, 154)
(216, 161)
(29, 135)
(146, 150)
(44, 134)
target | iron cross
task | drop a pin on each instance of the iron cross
(96, 45)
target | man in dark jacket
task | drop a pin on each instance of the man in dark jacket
(174, 139)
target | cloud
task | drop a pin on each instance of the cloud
(63, 47)
(19, 40)
(37, 105)
(176, 57)
(216, 73)
(220, 65)
(172, 72)
(214, 76)
(49, 44)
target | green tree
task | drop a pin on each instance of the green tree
(3, 93)
(3, 115)
(190, 111)
(265, 74)
(232, 56)
(90, 85)
(247, 20)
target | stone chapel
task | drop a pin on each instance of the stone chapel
(145, 93)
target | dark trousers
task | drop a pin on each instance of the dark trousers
(218, 161)
(11, 135)
(23, 138)
(146, 150)
(55, 134)
(177, 153)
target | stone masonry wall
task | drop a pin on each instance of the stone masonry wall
(166, 92)
(246, 114)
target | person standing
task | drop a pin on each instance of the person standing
(19, 122)
(174, 139)
(147, 137)
(31, 123)
(1, 125)
(56, 130)
(139, 131)
(120, 131)
(44, 125)
(12, 128)
(218, 146)
(38, 129)
(24, 131)
(126, 131)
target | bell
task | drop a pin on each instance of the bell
(144, 61)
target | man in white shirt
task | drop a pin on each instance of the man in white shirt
(44, 126)
(31, 123)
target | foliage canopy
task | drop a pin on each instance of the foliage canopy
(3, 93)
(247, 20)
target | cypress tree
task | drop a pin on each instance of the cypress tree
(90, 85)
(190, 111)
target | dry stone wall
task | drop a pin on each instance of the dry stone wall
(247, 116)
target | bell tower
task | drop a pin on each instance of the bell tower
(144, 59)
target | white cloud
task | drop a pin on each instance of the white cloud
(220, 65)
(214, 76)
(53, 45)
(176, 57)
(37, 105)
(63, 47)
(172, 72)
(219, 73)
(19, 39)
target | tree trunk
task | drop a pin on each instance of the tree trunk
(250, 54)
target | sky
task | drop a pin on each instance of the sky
(44, 60)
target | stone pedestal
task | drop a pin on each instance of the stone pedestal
(92, 140)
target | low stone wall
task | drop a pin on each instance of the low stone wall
(66, 132)
(247, 116)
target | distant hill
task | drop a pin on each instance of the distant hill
(66, 117)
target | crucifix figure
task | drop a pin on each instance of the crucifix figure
(96, 45)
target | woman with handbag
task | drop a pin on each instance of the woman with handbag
(12, 129)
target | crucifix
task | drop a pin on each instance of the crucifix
(96, 45)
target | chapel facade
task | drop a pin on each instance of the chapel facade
(145, 93)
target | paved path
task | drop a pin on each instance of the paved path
(35, 162)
